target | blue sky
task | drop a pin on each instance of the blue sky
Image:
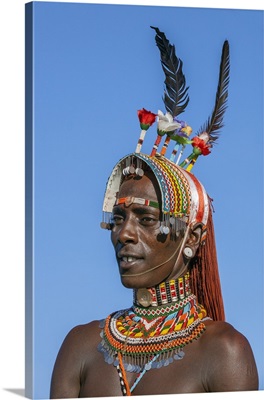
(94, 67)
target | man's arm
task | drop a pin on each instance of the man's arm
(65, 382)
(231, 365)
(77, 352)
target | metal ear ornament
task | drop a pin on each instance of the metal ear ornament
(188, 252)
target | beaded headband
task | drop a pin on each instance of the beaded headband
(184, 199)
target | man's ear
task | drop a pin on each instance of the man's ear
(194, 238)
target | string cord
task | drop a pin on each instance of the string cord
(143, 373)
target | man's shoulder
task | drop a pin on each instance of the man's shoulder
(85, 336)
(88, 334)
(224, 335)
(227, 359)
(82, 339)
(223, 339)
(88, 328)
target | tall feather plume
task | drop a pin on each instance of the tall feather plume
(175, 93)
(215, 121)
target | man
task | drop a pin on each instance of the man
(174, 338)
(214, 358)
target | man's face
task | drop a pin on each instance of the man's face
(137, 240)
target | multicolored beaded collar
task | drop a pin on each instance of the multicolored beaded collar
(141, 338)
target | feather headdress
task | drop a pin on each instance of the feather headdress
(176, 99)
(215, 121)
(176, 93)
(209, 131)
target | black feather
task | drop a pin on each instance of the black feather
(175, 93)
(215, 121)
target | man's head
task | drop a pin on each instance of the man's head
(158, 211)
(161, 226)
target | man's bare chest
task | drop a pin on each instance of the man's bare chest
(182, 376)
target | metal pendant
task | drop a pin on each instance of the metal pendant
(144, 297)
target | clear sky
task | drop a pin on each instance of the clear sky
(94, 67)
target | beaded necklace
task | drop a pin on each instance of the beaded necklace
(152, 336)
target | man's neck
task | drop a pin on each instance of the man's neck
(165, 293)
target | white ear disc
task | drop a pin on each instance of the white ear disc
(187, 251)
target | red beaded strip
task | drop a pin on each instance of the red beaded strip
(136, 200)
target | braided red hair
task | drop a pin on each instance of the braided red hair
(204, 276)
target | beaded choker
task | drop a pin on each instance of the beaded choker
(140, 338)
(166, 292)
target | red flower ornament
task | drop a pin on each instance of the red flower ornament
(200, 146)
(146, 118)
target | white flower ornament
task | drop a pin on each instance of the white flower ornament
(166, 123)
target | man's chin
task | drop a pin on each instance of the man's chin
(131, 282)
(137, 282)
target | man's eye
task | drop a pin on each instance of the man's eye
(148, 220)
(117, 219)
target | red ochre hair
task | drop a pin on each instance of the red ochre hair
(204, 276)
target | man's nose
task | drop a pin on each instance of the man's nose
(128, 232)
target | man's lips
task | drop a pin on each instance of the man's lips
(126, 260)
